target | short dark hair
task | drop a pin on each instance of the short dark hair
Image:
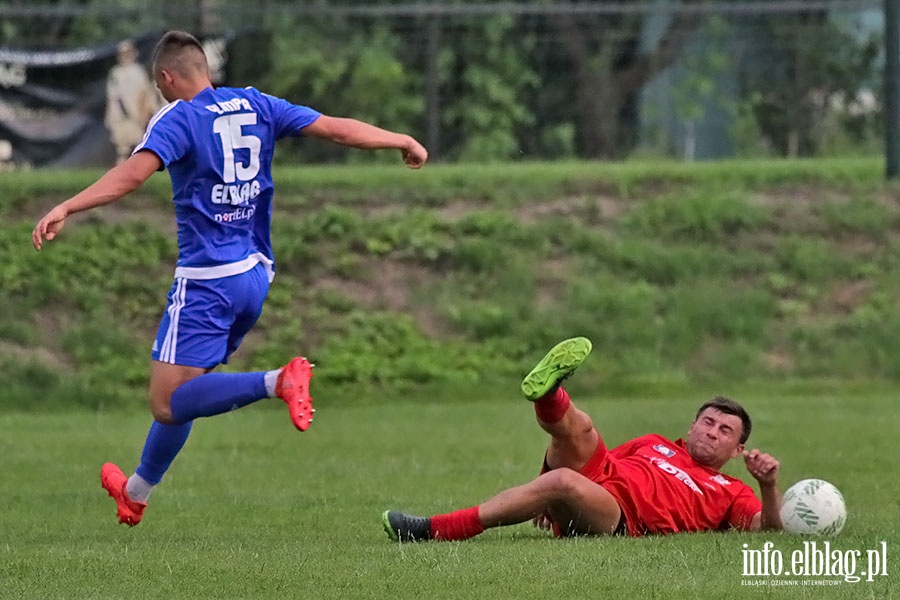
(179, 51)
(729, 407)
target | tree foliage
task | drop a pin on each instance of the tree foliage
(608, 64)
(814, 67)
(479, 81)
(484, 77)
(350, 69)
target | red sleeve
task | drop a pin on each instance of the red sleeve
(743, 508)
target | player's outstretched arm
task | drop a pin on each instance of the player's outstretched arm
(357, 134)
(764, 468)
(113, 185)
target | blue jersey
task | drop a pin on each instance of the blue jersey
(218, 149)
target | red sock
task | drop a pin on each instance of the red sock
(458, 525)
(552, 407)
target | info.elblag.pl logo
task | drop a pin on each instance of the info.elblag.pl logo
(816, 563)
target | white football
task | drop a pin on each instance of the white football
(813, 506)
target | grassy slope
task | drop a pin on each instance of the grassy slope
(452, 276)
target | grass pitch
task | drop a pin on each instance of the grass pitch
(253, 509)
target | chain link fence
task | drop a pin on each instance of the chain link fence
(503, 81)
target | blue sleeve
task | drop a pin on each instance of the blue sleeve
(167, 135)
(290, 118)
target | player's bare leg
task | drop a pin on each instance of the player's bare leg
(578, 505)
(178, 395)
(291, 384)
(573, 440)
(573, 437)
(131, 493)
(165, 378)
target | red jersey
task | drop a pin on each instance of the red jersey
(661, 489)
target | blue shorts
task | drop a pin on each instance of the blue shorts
(206, 319)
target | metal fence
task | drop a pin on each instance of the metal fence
(526, 80)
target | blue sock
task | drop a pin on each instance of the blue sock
(163, 444)
(216, 393)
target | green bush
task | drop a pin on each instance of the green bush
(465, 275)
(707, 216)
(861, 215)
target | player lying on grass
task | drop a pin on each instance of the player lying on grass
(649, 485)
(217, 144)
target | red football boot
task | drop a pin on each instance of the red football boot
(293, 388)
(113, 480)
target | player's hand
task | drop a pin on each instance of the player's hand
(414, 154)
(762, 466)
(543, 521)
(49, 226)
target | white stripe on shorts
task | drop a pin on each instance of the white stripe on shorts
(167, 354)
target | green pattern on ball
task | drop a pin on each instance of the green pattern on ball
(812, 487)
(806, 514)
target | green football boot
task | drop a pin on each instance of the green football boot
(557, 365)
